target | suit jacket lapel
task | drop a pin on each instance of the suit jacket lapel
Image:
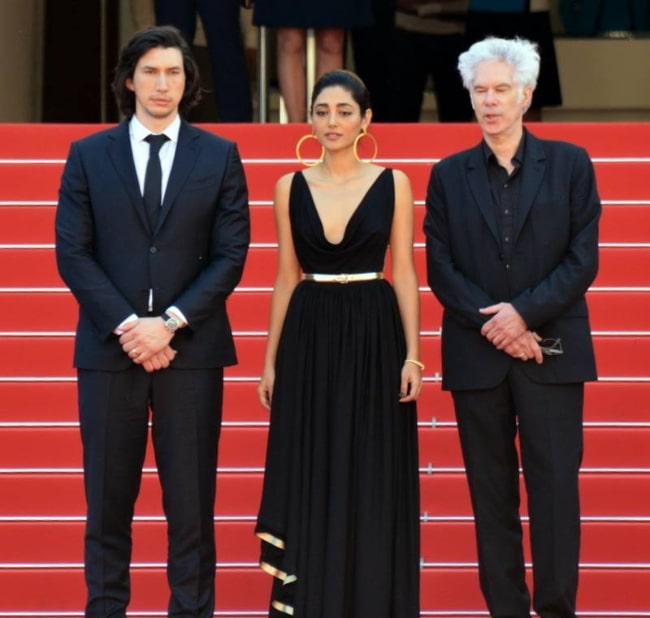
(532, 173)
(480, 188)
(187, 151)
(121, 156)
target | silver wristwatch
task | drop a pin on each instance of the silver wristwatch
(171, 324)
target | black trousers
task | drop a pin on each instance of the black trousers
(427, 55)
(548, 420)
(185, 410)
(220, 20)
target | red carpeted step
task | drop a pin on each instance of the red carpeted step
(444, 541)
(614, 494)
(36, 267)
(34, 224)
(62, 541)
(249, 311)
(622, 402)
(57, 402)
(245, 447)
(621, 542)
(52, 356)
(17, 179)
(442, 493)
(61, 494)
(272, 141)
(60, 447)
(455, 589)
(621, 223)
(619, 311)
(625, 223)
(63, 589)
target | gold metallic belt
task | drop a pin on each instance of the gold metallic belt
(343, 278)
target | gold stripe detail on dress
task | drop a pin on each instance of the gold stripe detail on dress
(271, 570)
(281, 607)
(271, 540)
(343, 277)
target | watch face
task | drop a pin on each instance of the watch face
(171, 324)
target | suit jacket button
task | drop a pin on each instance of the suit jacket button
(153, 250)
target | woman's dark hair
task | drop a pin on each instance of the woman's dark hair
(348, 81)
(139, 44)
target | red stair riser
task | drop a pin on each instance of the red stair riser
(16, 179)
(52, 356)
(245, 447)
(27, 224)
(268, 152)
(249, 311)
(60, 543)
(603, 494)
(441, 542)
(431, 140)
(33, 402)
(248, 588)
(619, 266)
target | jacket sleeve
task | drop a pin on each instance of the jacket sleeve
(570, 279)
(230, 239)
(460, 296)
(74, 234)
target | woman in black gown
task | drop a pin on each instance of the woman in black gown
(339, 517)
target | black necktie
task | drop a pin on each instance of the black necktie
(152, 195)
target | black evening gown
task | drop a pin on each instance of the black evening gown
(339, 517)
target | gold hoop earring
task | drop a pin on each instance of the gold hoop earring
(309, 162)
(361, 135)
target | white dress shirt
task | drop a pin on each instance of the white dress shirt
(140, 149)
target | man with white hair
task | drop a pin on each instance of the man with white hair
(512, 247)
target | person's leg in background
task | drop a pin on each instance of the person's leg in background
(411, 79)
(221, 23)
(291, 72)
(452, 99)
(225, 45)
(375, 59)
(330, 43)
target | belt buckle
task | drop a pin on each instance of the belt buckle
(342, 278)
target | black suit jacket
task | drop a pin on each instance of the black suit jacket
(110, 259)
(554, 260)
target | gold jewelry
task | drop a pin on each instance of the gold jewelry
(361, 135)
(308, 162)
(343, 278)
(417, 363)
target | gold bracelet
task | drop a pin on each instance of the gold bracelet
(417, 363)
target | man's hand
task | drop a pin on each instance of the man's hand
(162, 360)
(526, 347)
(504, 327)
(144, 338)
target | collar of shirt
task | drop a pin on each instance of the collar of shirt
(140, 149)
(491, 159)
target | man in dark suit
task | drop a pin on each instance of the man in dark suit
(512, 247)
(153, 333)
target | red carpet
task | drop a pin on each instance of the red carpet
(41, 493)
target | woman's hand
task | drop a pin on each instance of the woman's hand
(411, 384)
(265, 388)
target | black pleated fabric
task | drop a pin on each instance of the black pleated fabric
(339, 518)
